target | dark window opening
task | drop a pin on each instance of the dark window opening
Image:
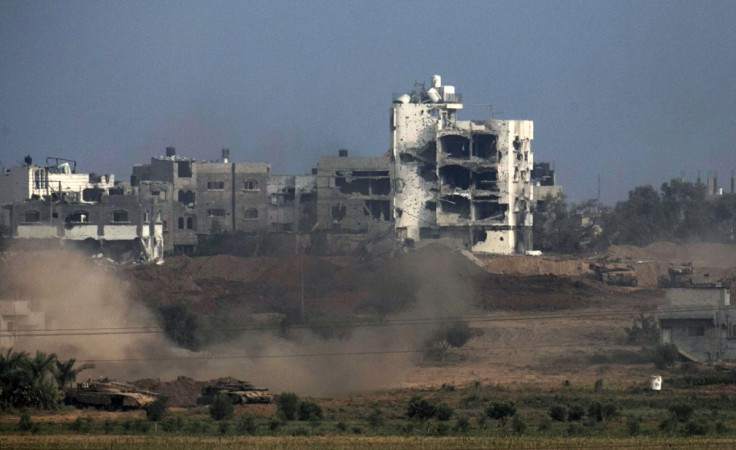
(455, 204)
(181, 223)
(479, 236)
(338, 212)
(428, 233)
(216, 212)
(490, 209)
(250, 185)
(116, 191)
(486, 181)
(250, 214)
(455, 177)
(40, 179)
(187, 197)
(381, 186)
(429, 151)
(379, 209)
(215, 185)
(281, 227)
(165, 225)
(32, 216)
(184, 169)
(120, 216)
(484, 146)
(430, 205)
(190, 223)
(428, 173)
(517, 143)
(92, 194)
(456, 146)
(696, 330)
(78, 217)
(406, 158)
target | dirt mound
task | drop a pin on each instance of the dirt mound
(701, 254)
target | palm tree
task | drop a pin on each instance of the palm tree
(66, 374)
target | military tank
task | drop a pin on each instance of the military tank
(239, 392)
(109, 394)
(614, 273)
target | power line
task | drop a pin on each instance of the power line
(102, 331)
(342, 324)
(331, 354)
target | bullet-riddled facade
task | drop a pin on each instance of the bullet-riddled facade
(467, 181)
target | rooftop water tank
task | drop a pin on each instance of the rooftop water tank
(436, 81)
(434, 95)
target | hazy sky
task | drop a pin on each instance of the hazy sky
(636, 91)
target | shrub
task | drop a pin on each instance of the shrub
(81, 425)
(443, 411)
(462, 425)
(518, 425)
(681, 411)
(274, 424)
(223, 427)
(26, 423)
(501, 411)
(247, 424)
(601, 412)
(309, 410)
(420, 408)
(108, 426)
(695, 428)
(575, 413)
(171, 424)
(375, 419)
(643, 330)
(664, 356)
(287, 404)
(668, 425)
(558, 413)
(633, 425)
(598, 385)
(341, 427)
(156, 410)
(221, 407)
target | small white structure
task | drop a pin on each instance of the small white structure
(655, 382)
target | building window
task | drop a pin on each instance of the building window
(181, 223)
(216, 212)
(120, 216)
(32, 216)
(190, 223)
(250, 214)
(187, 197)
(78, 217)
(696, 330)
(40, 179)
(215, 185)
(251, 185)
(165, 226)
(184, 169)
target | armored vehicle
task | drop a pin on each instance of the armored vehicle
(239, 392)
(109, 394)
(615, 273)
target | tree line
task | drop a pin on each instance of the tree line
(35, 381)
(679, 211)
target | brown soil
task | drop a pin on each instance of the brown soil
(542, 319)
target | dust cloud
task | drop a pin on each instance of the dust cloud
(98, 321)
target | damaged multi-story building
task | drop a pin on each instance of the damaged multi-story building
(54, 202)
(470, 183)
(467, 181)
(204, 198)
